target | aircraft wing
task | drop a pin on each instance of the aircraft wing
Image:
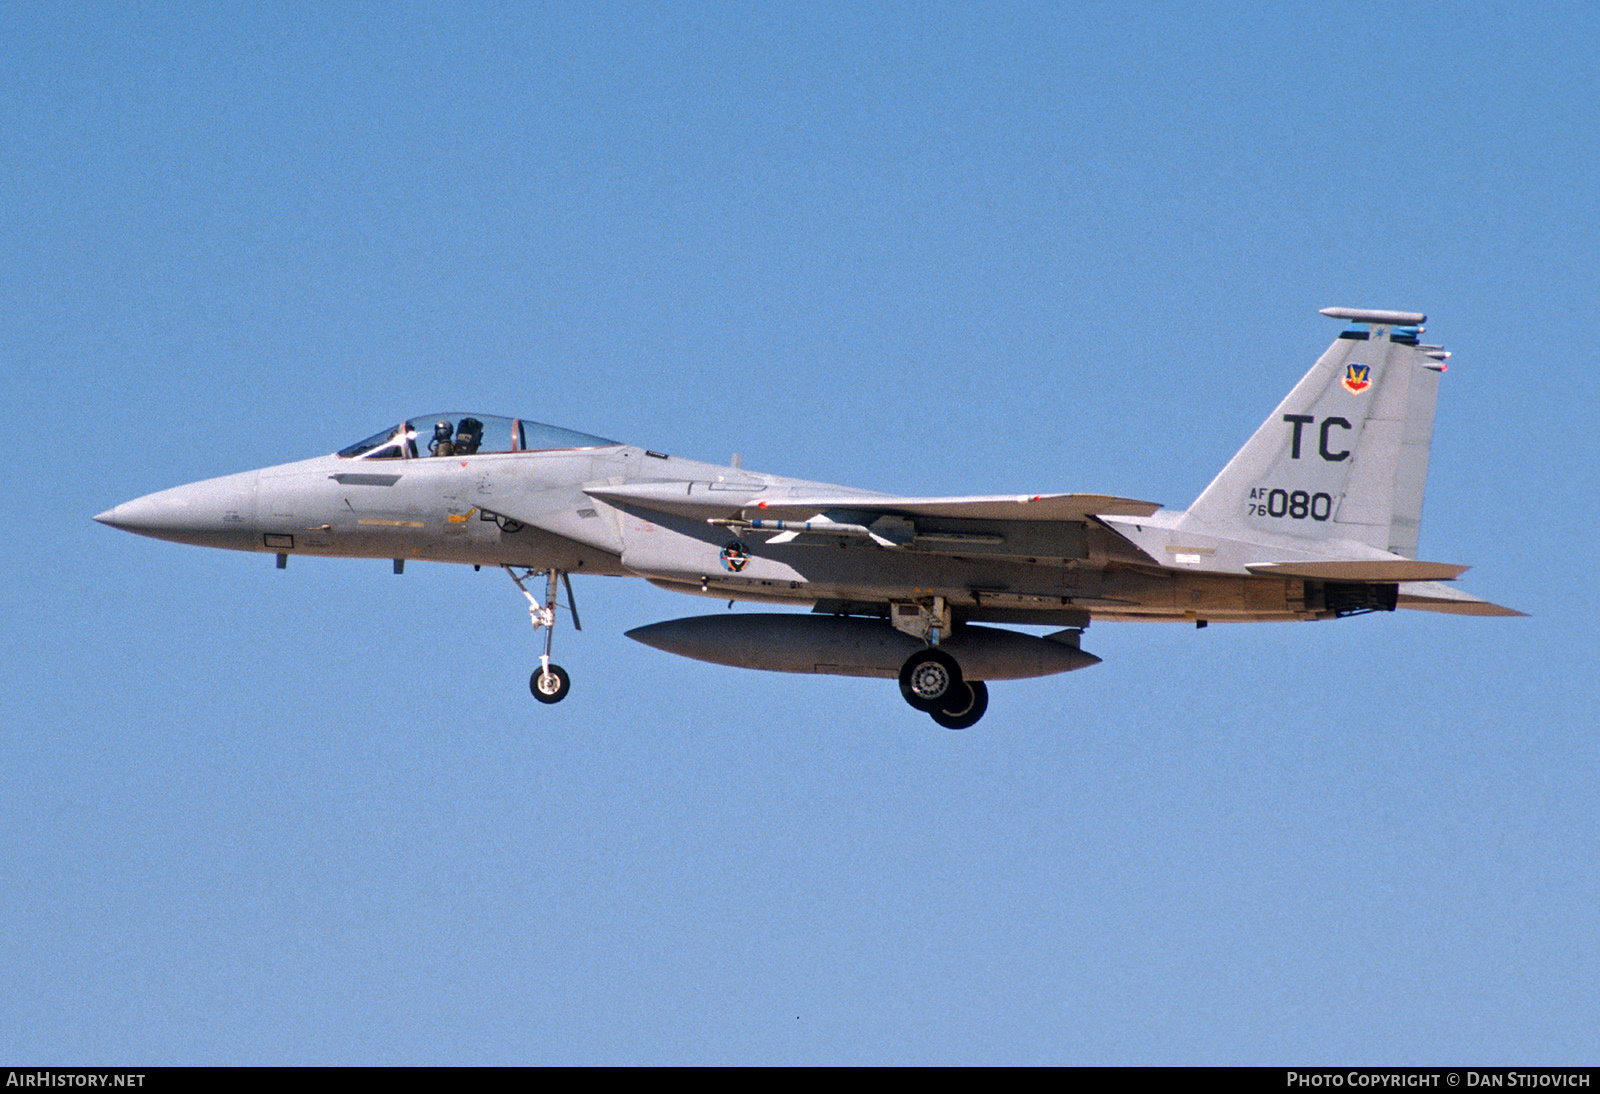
(1038, 527)
(693, 500)
(1003, 507)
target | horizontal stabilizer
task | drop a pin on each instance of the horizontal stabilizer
(1429, 596)
(1381, 570)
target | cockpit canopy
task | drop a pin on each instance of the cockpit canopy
(457, 434)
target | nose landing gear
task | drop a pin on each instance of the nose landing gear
(549, 683)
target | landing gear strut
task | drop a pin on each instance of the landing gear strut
(549, 683)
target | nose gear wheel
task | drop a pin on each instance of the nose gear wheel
(549, 683)
(550, 686)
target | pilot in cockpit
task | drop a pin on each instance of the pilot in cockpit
(468, 436)
(441, 444)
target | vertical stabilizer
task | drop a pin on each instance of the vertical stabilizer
(1345, 456)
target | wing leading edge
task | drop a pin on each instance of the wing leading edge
(729, 501)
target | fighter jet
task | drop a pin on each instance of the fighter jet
(1316, 518)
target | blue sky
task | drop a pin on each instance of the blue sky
(314, 816)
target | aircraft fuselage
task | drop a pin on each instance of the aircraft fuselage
(530, 509)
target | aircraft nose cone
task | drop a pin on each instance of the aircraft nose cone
(168, 511)
(214, 513)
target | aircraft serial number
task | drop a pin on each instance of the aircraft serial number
(1294, 504)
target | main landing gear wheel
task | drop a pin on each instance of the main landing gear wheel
(551, 686)
(929, 678)
(963, 710)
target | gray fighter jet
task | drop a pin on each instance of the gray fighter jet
(1315, 518)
